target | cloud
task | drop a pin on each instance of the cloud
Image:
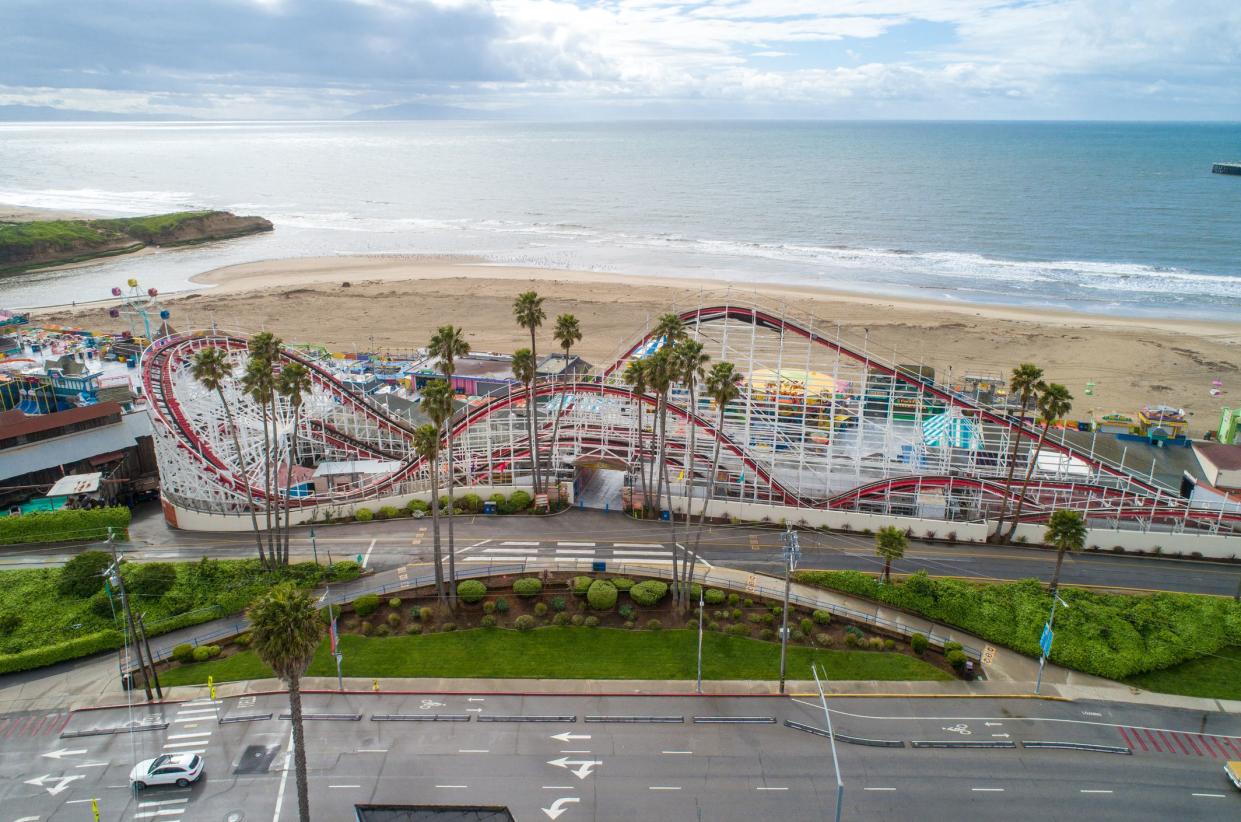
(281, 58)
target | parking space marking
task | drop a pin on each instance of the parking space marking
(372, 750)
(367, 558)
(160, 812)
(190, 711)
(559, 788)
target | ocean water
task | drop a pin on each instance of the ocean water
(1122, 219)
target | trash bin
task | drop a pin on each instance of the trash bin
(127, 682)
(489, 507)
(599, 567)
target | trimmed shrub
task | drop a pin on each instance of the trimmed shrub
(740, 629)
(60, 651)
(747, 602)
(953, 646)
(919, 643)
(525, 622)
(560, 619)
(101, 605)
(415, 628)
(528, 587)
(736, 613)
(488, 621)
(243, 640)
(501, 605)
(824, 639)
(383, 630)
(394, 620)
(557, 604)
(627, 611)
(344, 571)
(592, 622)
(448, 627)
(82, 575)
(519, 501)
(875, 643)
(648, 593)
(822, 617)
(889, 644)
(364, 515)
(576, 620)
(622, 583)
(183, 652)
(418, 505)
(851, 640)
(389, 512)
(471, 591)
(807, 627)
(654, 625)
(714, 596)
(425, 614)
(601, 595)
(734, 599)
(471, 503)
(713, 626)
(580, 585)
(365, 628)
(628, 624)
(394, 602)
(366, 605)
(540, 609)
(957, 659)
(489, 607)
(767, 634)
(200, 654)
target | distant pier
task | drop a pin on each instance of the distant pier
(1226, 168)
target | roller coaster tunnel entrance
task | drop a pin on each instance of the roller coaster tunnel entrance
(598, 483)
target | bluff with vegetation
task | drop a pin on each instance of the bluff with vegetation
(58, 242)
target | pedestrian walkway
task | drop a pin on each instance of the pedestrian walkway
(501, 551)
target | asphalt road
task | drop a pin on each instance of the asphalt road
(575, 769)
(386, 545)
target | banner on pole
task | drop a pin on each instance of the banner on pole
(332, 633)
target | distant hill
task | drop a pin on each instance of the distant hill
(421, 111)
(17, 114)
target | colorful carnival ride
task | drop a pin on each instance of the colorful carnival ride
(821, 423)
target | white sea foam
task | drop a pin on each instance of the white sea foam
(98, 201)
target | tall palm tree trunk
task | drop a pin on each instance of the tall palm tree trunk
(254, 519)
(667, 485)
(435, 528)
(288, 484)
(534, 416)
(1055, 577)
(275, 479)
(1025, 485)
(552, 468)
(688, 467)
(1012, 469)
(708, 492)
(452, 559)
(642, 459)
(267, 484)
(299, 749)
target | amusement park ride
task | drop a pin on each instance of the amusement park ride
(139, 305)
(820, 423)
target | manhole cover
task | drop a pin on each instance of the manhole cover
(256, 759)
(234, 816)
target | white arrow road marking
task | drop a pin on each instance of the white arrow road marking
(62, 782)
(992, 724)
(558, 807)
(1000, 736)
(63, 752)
(566, 736)
(27, 819)
(584, 766)
(476, 699)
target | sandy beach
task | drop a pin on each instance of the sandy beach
(394, 303)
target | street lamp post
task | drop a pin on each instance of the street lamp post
(701, 608)
(831, 736)
(1046, 638)
(792, 552)
(314, 546)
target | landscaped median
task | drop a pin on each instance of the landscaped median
(1124, 637)
(570, 653)
(49, 615)
(65, 525)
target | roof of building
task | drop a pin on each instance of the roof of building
(554, 364)
(70, 448)
(75, 484)
(14, 423)
(327, 469)
(1223, 456)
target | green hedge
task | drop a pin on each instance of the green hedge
(59, 652)
(580, 585)
(64, 526)
(471, 590)
(601, 595)
(648, 593)
(527, 587)
(366, 604)
(1108, 635)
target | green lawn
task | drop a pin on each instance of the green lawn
(244, 665)
(1214, 677)
(575, 653)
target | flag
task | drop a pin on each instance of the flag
(332, 633)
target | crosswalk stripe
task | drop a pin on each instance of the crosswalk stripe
(189, 735)
(191, 711)
(663, 553)
(156, 803)
(637, 545)
(518, 542)
(576, 544)
(577, 551)
(510, 550)
(184, 744)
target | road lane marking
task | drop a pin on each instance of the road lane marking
(576, 544)
(559, 788)
(663, 788)
(878, 789)
(1209, 795)
(84, 801)
(284, 778)
(677, 752)
(92, 765)
(575, 551)
(503, 551)
(987, 790)
(763, 788)
(344, 786)
(452, 786)
(194, 744)
(367, 558)
(371, 750)
(578, 752)
(190, 736)
(160, 812)
(473, 750)
(1089, 790)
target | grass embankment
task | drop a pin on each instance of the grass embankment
(571, 653)
(1215, 677)
(41, 623)
(1110, 635)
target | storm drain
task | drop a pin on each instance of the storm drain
(256, 759)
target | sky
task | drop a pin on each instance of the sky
(560, 59)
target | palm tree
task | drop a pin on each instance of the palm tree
(635, 377)
(259, 383)
(265, 347)
(1026, 381)
(689, 360)
(448, 344)
(660, 374)
(524, 371)
(213, 368)
(890, 543)
(567, 332)
(293, 384)
(1053, 403)
(284, 632)
(721, 386)
(1066, 531)
(427, 445)
(437, 404)
(528, 310)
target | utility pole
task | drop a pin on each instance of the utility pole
(1045, 640)
(792, 552)
(114, 577)
(314, 546)
(142, 629)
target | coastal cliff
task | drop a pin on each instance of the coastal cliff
(44, 243)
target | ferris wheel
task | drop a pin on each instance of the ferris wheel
(137, 304)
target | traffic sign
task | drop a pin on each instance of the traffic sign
(1045, 640)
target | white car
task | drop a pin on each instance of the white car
(170, 769)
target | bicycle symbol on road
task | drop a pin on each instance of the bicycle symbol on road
(959, 728)
(428, 704)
